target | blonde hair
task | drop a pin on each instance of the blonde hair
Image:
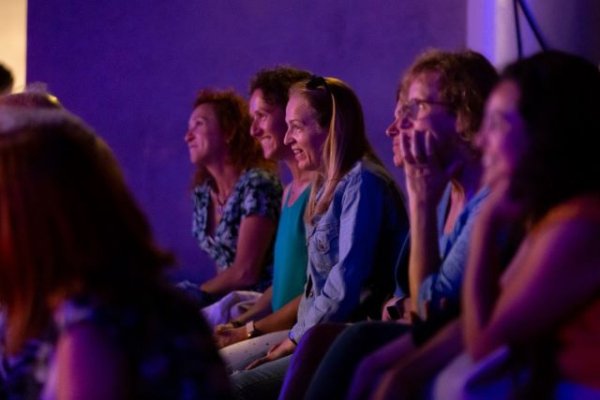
(339, 111)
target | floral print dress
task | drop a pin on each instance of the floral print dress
(167, 346)
(257, 192)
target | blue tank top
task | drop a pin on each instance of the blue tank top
(290, 254)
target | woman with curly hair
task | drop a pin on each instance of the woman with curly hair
(236, 195)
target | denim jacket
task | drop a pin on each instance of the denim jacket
(352, 248)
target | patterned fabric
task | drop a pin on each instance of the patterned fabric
(168, 346)
(257, 192)
(17, 378)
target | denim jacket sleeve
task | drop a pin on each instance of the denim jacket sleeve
(442, 289)
(336, 287)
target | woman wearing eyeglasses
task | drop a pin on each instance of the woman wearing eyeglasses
(437, 117)
(355, 220)
(438, 114)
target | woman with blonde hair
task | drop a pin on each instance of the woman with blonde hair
(355, 220)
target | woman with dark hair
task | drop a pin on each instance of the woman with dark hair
(237, 198)
(80, 271)
(356, 222)
(544, 175)
(274, 313)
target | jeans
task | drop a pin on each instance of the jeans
(239, 355)
(347, 351)
(308, 355)
(261, 383)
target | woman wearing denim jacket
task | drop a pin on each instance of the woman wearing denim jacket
(356, 222)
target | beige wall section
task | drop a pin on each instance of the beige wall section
(13, 38)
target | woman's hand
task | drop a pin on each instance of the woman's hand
(227, 334)
(426, 177)
(397, 309)
(280, 350)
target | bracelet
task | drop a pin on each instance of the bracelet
(251, 330)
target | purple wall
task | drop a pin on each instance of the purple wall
(131, 69)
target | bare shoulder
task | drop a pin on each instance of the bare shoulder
(570, 244)
(88, 365)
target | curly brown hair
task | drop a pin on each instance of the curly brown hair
(234, 120)
(466, 78)
(275, 83)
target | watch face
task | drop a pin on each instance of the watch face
(251, 329)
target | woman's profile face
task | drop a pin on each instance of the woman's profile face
(304, 135)
(503, 139)
(430, 113)
(268, 126)
(204, 137)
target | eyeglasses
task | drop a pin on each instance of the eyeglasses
(414, 107)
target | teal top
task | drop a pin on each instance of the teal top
(290, 255)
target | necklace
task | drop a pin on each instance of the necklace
(220, 204)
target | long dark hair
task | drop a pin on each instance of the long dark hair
(560, 104)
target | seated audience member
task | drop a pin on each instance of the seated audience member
(236, 199)
(279, 304)
(355, 216)
(438, 113)
(545, 305)
(84, 262)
